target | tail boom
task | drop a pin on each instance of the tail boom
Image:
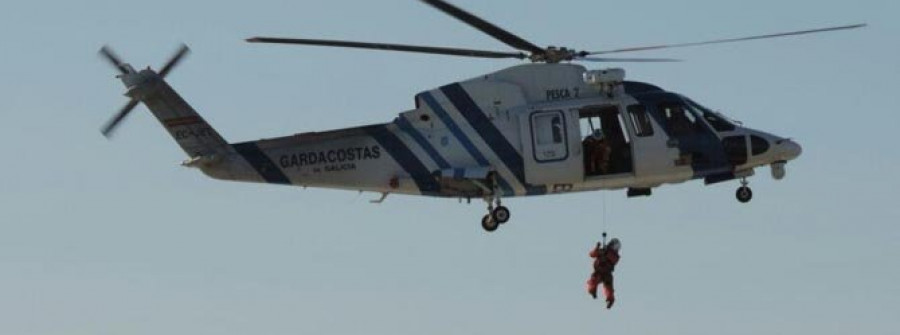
(192, 133)
(370, 158)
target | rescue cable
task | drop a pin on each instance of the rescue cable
(603, 217)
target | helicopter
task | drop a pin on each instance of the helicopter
(550, 126)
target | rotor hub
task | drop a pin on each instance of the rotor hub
(555, 55)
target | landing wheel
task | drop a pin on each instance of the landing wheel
(489, 224)
(500, 214)
(744, 194)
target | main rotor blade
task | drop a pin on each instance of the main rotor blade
(391, 47)
(111, 125)
(114, 59)
(728, 40)
(628, 60)
(174, 60)
(486, 27)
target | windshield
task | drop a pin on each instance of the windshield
(716, 120)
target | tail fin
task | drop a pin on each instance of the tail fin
(196, 137)
(192, 133)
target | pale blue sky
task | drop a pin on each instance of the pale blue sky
(100, 237)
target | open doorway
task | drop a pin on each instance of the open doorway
(607, 147)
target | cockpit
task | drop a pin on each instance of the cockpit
(696, 130)
(682, 116)
(718, 121)
(714, 146)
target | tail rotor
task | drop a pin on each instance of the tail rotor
(126, 70)
(115, 60)
(176, 58)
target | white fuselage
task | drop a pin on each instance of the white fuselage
(526, 130)
(520, 131)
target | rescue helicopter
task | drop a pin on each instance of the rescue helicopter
(550, 126)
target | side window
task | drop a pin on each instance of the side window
(557, 126)
(549, 136)
(549, 129)
(679, 121)
(758, 145)
(735, 149)
(641, 120)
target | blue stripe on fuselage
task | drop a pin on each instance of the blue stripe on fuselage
(490, 134)
(454, 129)
(405, 158)
(463, 139)
(261, 163)
(408, 128)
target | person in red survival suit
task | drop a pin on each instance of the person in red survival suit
(605, 260)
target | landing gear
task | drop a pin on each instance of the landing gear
(500, 214)
(496, 215)
(488, 223)
(744, 193)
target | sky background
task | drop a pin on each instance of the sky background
(114, 237)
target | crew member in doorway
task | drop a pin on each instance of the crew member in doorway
(605, 259)
(597, 150)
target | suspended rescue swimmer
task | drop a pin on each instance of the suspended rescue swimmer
(605, 259)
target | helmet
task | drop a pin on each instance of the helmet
(598, 134)
(615, 244)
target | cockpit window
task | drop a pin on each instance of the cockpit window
(716, 120)
(758, 145)
(679, 119)
(640, 120)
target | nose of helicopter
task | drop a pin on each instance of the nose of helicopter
(789, 149)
